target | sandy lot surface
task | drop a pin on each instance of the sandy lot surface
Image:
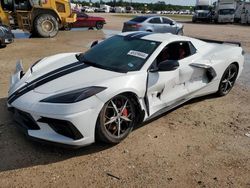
(200, 144)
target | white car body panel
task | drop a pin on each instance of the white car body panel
(161, 89)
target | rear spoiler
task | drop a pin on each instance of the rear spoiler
(221, 42)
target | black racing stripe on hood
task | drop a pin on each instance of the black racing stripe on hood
(137, 35)
(47, 78)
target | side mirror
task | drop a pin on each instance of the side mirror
(168, 65)
(94, 43)
(172, 23)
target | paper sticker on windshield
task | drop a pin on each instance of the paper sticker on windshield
(138, 54)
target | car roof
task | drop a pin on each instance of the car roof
(149, 16)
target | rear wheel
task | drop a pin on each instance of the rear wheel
(228, 79)
(46, 26)
(99, 25)
(116, 120)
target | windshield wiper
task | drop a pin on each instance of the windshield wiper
(80, 58)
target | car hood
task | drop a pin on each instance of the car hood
(64, 76)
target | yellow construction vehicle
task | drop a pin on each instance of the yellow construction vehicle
(41, 18)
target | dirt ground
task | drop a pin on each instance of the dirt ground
(200, 144)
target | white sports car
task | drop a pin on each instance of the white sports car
(78, 98)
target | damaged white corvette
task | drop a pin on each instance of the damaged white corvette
(77, 98)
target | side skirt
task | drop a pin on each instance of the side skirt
(168, 108)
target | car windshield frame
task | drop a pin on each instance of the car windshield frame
(83, 57)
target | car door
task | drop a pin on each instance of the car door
(82, 20)
(155, 23)
(168, 26)
(195, 72)
(168, 88)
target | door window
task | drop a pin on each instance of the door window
(176, 51)
(81, 15)
(166, 21)
(155, 20)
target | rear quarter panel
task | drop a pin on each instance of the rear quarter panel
(223, 56)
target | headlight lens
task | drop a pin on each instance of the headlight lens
(75, 95)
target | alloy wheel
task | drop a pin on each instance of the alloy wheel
(119, 114)
(228, 79)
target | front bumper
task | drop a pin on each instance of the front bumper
(73, 130)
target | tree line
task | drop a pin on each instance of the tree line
(136, 5)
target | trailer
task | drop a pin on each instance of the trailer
(225, 11)
(245, 13)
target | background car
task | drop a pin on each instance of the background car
(6, 36)
(158, 24)
(84, 20)
(78, 98)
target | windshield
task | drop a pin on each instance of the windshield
(202, 7)
(226, 11)
(119, 54)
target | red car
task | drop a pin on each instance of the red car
(84, 20)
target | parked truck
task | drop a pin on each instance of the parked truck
(224, 11)
(242, 13)
(202, 11)
(40, 17)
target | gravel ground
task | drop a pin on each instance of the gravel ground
(200, 144)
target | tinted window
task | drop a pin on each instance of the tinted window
(155, 20)
(81, 15)
(202, 7)
(166, 21)
(139, 19)
(192, 48)
(176, 51)
(120, 54)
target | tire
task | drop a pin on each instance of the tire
(228, 80)
(120, 110)
(149, 30)
(46, 26)
(99, 25)
(2, 45)
(67, 27)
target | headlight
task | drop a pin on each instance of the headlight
(75, 95)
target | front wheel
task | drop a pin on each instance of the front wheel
(228, 79)
(46, 26)
(116, 120)
(99, 25)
